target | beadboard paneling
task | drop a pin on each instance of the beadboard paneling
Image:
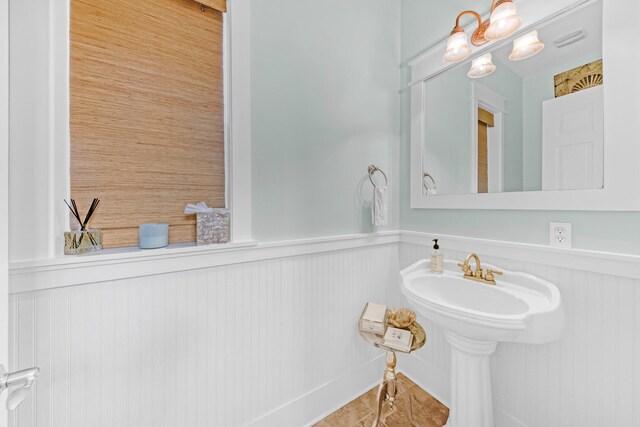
(218, 346)
(229, 345)
(589, 378)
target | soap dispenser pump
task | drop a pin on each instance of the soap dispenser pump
(437, 259)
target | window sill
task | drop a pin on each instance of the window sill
(131, 254)
(128, 263)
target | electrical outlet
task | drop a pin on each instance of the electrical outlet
(560, 235)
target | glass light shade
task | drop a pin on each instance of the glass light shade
(526, 46)
(504, 21)
(457, 48)
(481, 67)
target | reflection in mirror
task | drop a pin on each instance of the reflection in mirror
(527, 117)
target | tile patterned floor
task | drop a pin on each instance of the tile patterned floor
(427, 411)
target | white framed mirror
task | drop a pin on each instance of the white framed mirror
(545, 119)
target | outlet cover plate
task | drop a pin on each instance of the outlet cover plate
(560, 235)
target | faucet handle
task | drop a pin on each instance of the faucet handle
(490, 275)
(466, 269)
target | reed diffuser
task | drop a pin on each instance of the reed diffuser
(82, 241)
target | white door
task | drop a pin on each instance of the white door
(573, 141)
(4, 196)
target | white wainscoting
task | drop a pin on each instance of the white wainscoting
(271, 342)
(589, 378)
(265, 336)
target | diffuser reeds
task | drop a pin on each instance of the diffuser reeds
(74, 239)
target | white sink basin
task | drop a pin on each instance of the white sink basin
(519, 308)
(476, 316)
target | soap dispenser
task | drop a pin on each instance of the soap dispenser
(437, 259)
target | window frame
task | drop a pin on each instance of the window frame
(237, 97)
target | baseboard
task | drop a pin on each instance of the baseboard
(435, 382)
(324, 400)
(502, 418)
(425, 374)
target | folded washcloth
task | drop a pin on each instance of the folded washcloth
(379, 208)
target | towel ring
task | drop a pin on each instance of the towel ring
(372, 170)
(424, 184)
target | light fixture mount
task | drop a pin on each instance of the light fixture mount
(506, 22)
(477, 38)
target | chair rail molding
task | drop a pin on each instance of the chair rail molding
(615, 264)
(116, 265)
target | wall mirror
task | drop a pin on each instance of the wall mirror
(532, 124)
(521, 117)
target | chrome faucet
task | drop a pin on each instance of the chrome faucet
(478, 275)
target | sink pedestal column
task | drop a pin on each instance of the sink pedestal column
(471, 402)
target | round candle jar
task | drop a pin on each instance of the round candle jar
(151, 236)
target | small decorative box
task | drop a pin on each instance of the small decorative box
(213, 227)
(80, 242)
(398, 339)
(373, 318)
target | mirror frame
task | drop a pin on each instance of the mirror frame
(621, 117)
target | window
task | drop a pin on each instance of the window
(146, 113)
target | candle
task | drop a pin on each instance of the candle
(153, 236)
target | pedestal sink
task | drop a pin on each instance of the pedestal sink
(476, 317)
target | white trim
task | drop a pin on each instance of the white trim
(435, 381)
(71, 271)
(58, 145)
(615, 264)
(417, 140)
(621, 126)
(429, 377)
(59, 131)
(322, 401)
(239, 110)
(490, 100)
(4, 196)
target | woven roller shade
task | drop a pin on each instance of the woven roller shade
(147, 114)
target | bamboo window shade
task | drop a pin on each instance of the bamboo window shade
(147, 113)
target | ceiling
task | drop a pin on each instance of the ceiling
(588, 18)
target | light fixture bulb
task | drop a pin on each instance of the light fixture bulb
(526, 46)
(504, 21)
(457, 48)
(481, 66)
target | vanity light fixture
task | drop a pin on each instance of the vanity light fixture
(481, 66)
(526, 46)
(457, 48)
(503, 22)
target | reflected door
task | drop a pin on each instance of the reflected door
(485, 121)
(573, 141)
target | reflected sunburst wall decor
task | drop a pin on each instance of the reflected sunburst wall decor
(580, 78)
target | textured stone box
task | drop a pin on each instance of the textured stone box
(213, 227)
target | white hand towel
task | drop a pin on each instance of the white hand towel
(379, 208)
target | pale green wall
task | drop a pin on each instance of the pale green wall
(325, 105)
(447, 137)
(448, 128)
(537, 89)
(424, 23)
(509, 85)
